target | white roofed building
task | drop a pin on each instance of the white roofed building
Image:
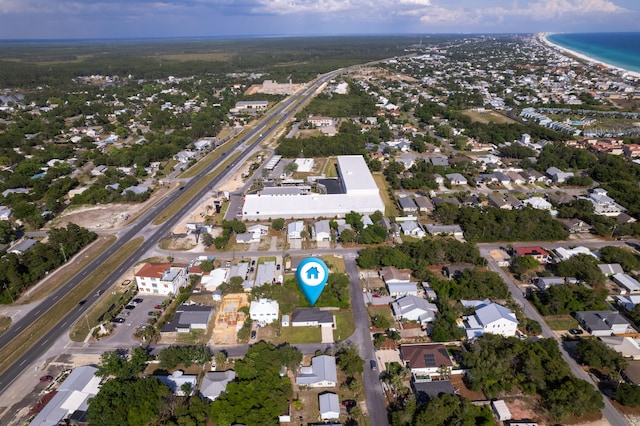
(359, 193)
(264, 311)
(161, 278)
(414, 308)
(71, 396)
(490, 318)
(321, 373)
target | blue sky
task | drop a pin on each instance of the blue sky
(36, 19)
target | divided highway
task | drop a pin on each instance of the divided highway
(153, 235)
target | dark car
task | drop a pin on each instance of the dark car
(118, 320)
(82, 302)
(278, 267)
(138, 300)
(576, 331)
(130, 307)
(253, 334)
(374, 365)
(348, 403)
(46, 378)
(151, 313)
(253, 262)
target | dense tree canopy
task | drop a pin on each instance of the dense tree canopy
(133, 401)
(499, 364)
(259, 395)
(567, 299)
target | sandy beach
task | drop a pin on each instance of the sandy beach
(543, 37)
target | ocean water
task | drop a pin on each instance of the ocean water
(619, 49)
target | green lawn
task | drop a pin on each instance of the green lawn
(300, 335)
(345, 325)
(561, 323)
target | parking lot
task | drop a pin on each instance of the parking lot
(134, 318)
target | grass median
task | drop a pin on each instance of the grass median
(41, 326)
(172, 210)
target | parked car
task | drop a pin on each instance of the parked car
(253, 334)
(46, 378)
(118, 320)
(576, 331)
(348, 403)
(138, 300)
(253, 262)
(130, 306)
(157, 307)
(374, 365)
(278, 267)
(227, 264)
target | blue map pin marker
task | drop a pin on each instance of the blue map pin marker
(312, 275)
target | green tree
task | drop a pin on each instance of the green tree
(595, 353)
(278, 224)
(627, 394)
(206, 239)
(522, 264)
(134, 401)
(349, 361)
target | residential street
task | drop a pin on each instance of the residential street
(609, 412)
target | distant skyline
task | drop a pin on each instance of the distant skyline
(72, 19)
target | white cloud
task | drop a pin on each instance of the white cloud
(537, 10)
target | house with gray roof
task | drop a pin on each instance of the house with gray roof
(627, 283)
(412, 228)
(71, 397)
(321, 231)
(414, 308)
(490, 318)
(456, 179)
(294, 229)
(439, 161)
(499, 202)
(136, 189)
(187, 318)
(407, 205)
(437, 201)
(610, 269)
(454, 230)
(23, 246)
(5, 213)
(402, 288)
(312, 317)
(329, 405)
(544, 283)
(424, 204)
(215, 383)
(321, 373)
(558, 175)
(177, 380)
(604, 323)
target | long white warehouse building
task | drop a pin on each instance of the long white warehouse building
(360, 194)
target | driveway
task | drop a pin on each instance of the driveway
(327, 334)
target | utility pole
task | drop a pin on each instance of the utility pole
(10, 295)
(63, 253)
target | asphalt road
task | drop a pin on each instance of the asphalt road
(374, 394)
(152, 237)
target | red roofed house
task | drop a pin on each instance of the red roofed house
(537, 252)
(161, 278)
(631, 150)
